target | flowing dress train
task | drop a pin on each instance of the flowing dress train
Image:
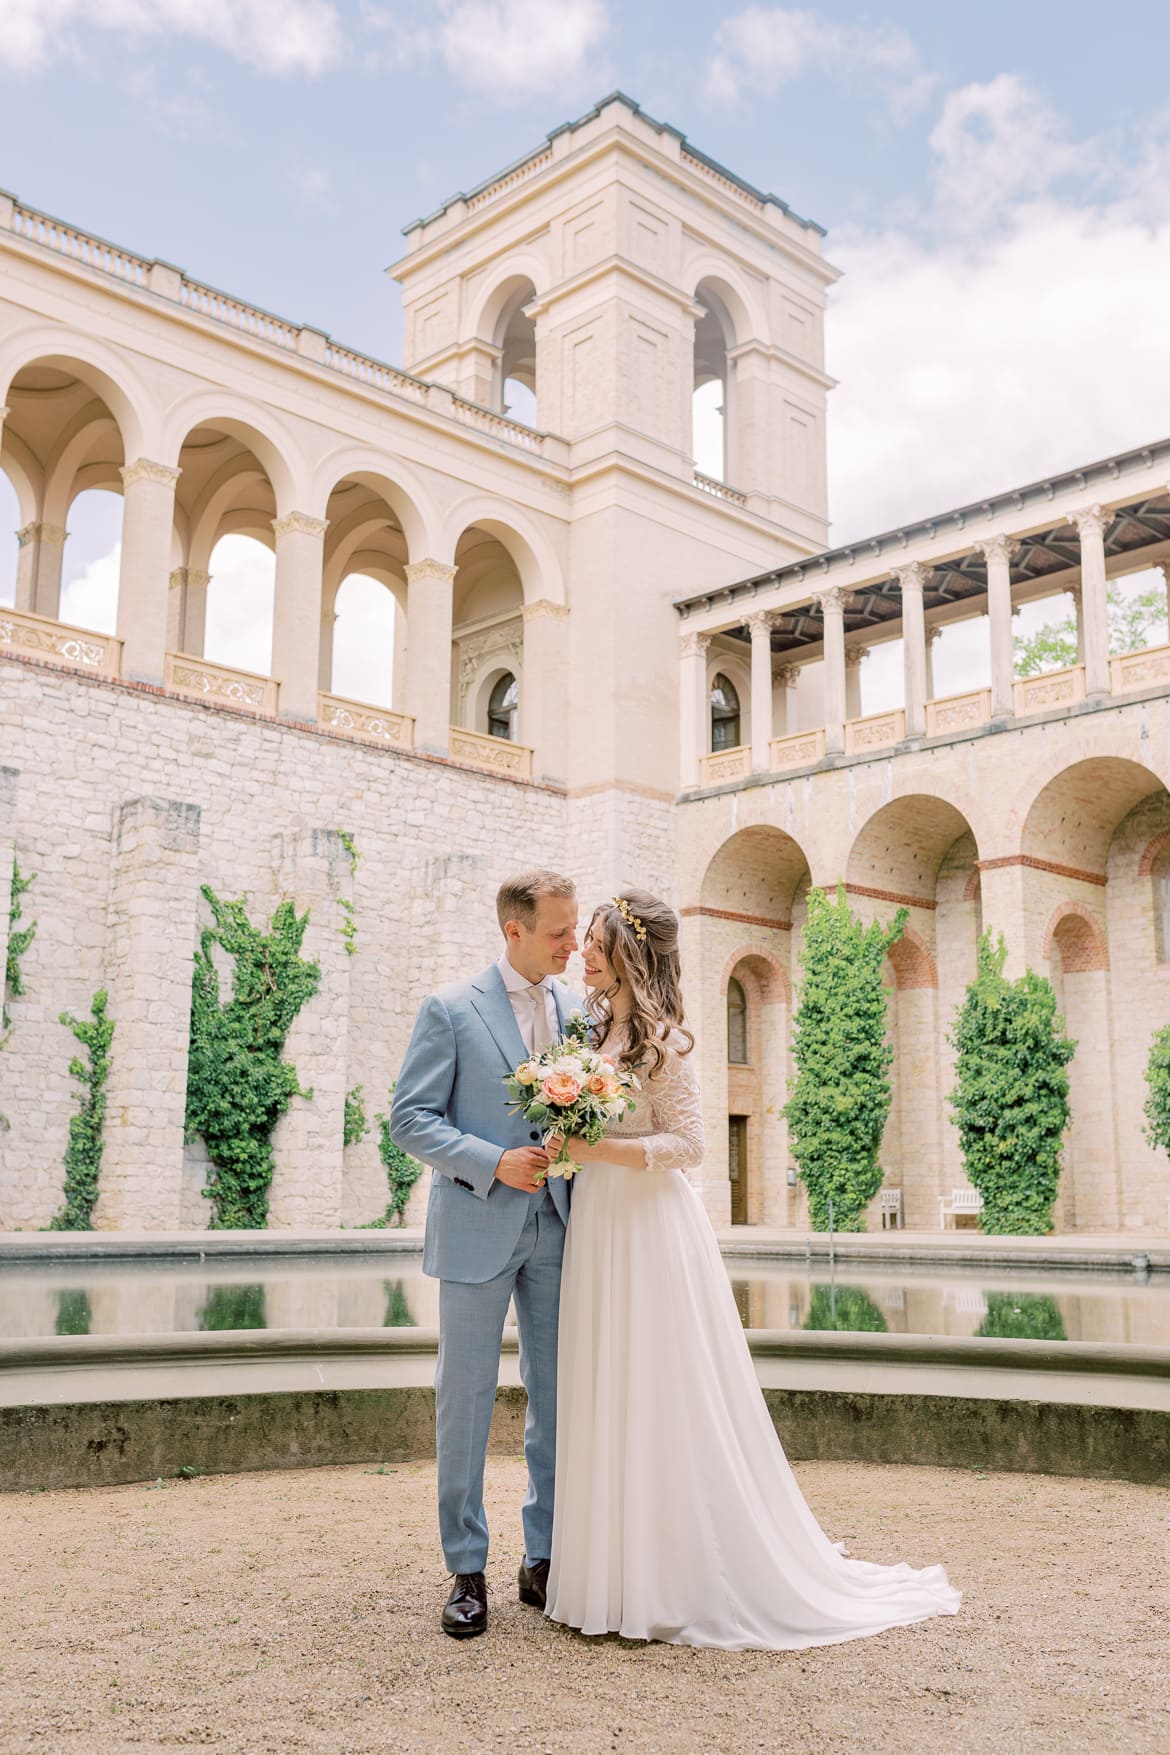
(677, 1516)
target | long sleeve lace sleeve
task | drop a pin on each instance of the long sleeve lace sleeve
(676, 1142)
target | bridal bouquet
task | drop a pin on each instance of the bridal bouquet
(568, 1088)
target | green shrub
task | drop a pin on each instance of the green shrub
(1023, 1316)
(402, 1172)
(847, 1308)
(1157, 1105)
(231, 1307)
(841, 1095)
(1010, 1100)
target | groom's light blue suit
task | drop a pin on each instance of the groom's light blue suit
(486, 1243)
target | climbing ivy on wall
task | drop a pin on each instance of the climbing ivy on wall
(841, 1094)
(83, 1154)
(355, 1126)
(19, 939)
(402, 1172)
(1010, 1101)
(349, 912)
(238, 1083)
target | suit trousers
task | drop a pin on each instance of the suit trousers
(471, 1325)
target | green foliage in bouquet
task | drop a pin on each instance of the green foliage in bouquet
(845, 1307)
(841, 1094)
(83, 1154)
(1021, 1316)
(238, 1084)
(1010, 1100)
(1157, 1105)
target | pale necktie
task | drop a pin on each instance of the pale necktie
(541, 1036)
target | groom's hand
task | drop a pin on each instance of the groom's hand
(524, 1168)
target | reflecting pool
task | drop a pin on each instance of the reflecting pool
(329, 1291)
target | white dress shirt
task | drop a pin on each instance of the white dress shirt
(524, 997)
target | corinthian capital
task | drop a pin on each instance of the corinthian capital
(998, 548)
(912, 578)
(428, 569)
(300, 524)
(761, 621)
(833, 597)
(143, 469)
(694, 645)
(1090, 521)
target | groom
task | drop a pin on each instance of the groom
(495, 1226)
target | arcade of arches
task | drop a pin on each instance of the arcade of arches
(1073, 867)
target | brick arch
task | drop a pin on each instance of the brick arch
(912, 961)
(973, 888)
(770, 975)
(1153, 852)
(1082, 946)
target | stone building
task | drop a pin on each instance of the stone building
(603, 659)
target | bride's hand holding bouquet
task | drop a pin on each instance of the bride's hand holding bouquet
(572, 1093)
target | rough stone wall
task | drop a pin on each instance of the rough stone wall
(124, 802)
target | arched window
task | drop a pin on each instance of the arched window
(503, 707)
(713, 335)
(1160, 882)
(724, 715)
(737, 1042)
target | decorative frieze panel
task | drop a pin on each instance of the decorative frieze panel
(878, 732)
(1058, 688)
(958, 713)
(371, 724)
(1149, 669)
(219, 683)
(726, 765)
(497, 754)
(799, 750)
(80, 648)
(501, 644)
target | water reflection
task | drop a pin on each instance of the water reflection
(150, 1297)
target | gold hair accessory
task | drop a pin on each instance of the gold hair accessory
(628, 915)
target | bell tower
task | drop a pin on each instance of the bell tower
(619, 289)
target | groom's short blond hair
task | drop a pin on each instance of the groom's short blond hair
(518, 896)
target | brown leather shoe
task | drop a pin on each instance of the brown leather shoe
(533, 1583)
(466, 1612)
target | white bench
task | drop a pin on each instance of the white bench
(960, 1200)
(891, 1208)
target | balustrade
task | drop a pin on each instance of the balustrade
(878, 731)
(1054, 688)
(371, 724)
(36, 636)
(958, 712)
(497, 754)
(726, 765)
(219, 683)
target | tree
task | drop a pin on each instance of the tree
(841, 1095)
(1157, 1106)
(1132, 619)
(1010, 1100)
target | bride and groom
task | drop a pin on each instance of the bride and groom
(675, 1515)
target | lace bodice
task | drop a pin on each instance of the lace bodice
(668, 1118)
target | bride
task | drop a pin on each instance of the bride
(677, 1516)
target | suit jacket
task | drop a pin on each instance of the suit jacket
(450, 1110)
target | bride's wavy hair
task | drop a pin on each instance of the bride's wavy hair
(639, 936)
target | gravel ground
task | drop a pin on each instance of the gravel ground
(299, 1611)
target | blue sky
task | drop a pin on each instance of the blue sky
(995, 181)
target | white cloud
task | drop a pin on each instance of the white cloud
(1028, 339)
(276, 36)
(510, 48)
(240, 602)
(762, 48)
(90, 600)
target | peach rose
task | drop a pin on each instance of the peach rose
(527, 1073)
(561, 1089)
(597, 1085)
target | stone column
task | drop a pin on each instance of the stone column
(544, 667)
(38, 569)
(855, 657)
(312, 867)
(760, 628)
(429, 606)
(296, 625)
(997, 551)
(1164, 569)
(1090, 523)
(150, 948)
(148, 524)
(694, 708)
(786, 678)
(832, 606)
(187, 611)
(911, 581)
(932, 635)
(325, 651)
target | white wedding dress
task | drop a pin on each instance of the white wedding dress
(677, 1516)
